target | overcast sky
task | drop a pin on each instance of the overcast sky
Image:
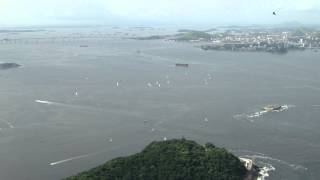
(42, 12)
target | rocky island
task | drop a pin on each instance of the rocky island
(173, 159)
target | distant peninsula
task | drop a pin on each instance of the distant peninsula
(5, 66)
(177, 159)
(248, 39)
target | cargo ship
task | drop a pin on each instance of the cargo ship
(182, 65)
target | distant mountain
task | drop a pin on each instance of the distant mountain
(18, 30)
(4, 66)
(171, 160)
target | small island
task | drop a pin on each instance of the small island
(173, 159)
(5, 66)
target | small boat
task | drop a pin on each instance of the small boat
(277, 108)
(182, 65)
(272, 108)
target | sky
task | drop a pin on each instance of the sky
(144, 12)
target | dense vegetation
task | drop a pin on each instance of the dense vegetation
(154, 37)
(193, 35)
(171, 160)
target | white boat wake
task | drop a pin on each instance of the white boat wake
(44, 102)
(261, 113)
(58, 104)
(266, 163)
(74, 158)
(266, 167)
(112, 110)
(89, 154)
(293, 166)
(251, 116)
(69, 159)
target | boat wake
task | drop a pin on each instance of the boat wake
(44, 102)
(89, 154)
(266, 163)
(89, 108)
(292, 166)
(58, 104)
(69, 159)
(268, 109)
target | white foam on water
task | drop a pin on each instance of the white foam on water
(71, 159)
(263, 161)
(84, 156)
(264, 168)
(251, 116)
(44, 102)
(9, 124)
(257, 114)
(293, 166)
(264, 172)
(61, 104)
(149, 85)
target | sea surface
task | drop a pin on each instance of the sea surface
(86, 95)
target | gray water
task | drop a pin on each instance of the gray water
(84, 108)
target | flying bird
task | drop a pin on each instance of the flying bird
(274, 13)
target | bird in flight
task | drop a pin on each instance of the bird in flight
(274, 13)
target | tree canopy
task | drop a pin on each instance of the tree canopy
(177, 159)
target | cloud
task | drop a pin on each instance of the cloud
(201, 11)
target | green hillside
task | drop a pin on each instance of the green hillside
(171, 160)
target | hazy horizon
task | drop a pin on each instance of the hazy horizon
(156, 12)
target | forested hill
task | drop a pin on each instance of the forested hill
(171, 160)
